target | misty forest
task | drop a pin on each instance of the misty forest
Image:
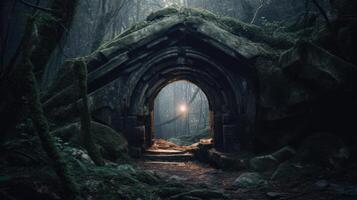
(178, 99)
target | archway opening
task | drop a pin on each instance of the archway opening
(182, 114)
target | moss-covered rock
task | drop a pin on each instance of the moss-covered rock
(162, 13)
(248, 40)
(162, 20)
(249, 180)
(264, 163)
(112, 144)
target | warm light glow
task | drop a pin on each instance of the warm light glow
(183, 108)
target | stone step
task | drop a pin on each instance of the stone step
(164, 151)
(183, 157)
(165, 163)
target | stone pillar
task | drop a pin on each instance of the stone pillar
(135, 134)
(217, 131)
(117, 122)
(146, 121)
(231, 140)
(129, 123)
(138, 136)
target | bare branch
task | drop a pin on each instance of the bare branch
(257, 11)
(322, 11)
(116, 11)
(36, 6)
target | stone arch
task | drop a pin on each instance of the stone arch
(128, 73)
(226, 92)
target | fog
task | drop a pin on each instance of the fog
(181, 109)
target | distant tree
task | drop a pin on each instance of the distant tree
(261, 4)
(248, 10)
(107, 11)
(20, 84)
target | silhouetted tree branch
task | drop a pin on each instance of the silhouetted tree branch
(48, 10)
(257, 11)
(25, 75)
(105, 17)
(322, 11)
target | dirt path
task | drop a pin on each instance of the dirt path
(197, 173)
(200, 174)
(189, 171)
(193, 172)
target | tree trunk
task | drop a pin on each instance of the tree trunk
(200, 114)
(175, 108)
(87, 137)
(23, 71)
(43, 43)
(51, 32)
(106, 15)
(21, 84)
(41, 126)
(101, 25)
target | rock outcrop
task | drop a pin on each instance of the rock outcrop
(112, 144)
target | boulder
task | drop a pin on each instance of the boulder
(270, 162)
(292, 170)
(202, 152)
(226, 161)
(284, 154)
(323, 149)
(286, 171)
(112, 144)
(249, 180)
(263, 163)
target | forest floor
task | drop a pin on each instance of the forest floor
(201, 174)
(179, 177)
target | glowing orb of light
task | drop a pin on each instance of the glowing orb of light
(183, 108)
